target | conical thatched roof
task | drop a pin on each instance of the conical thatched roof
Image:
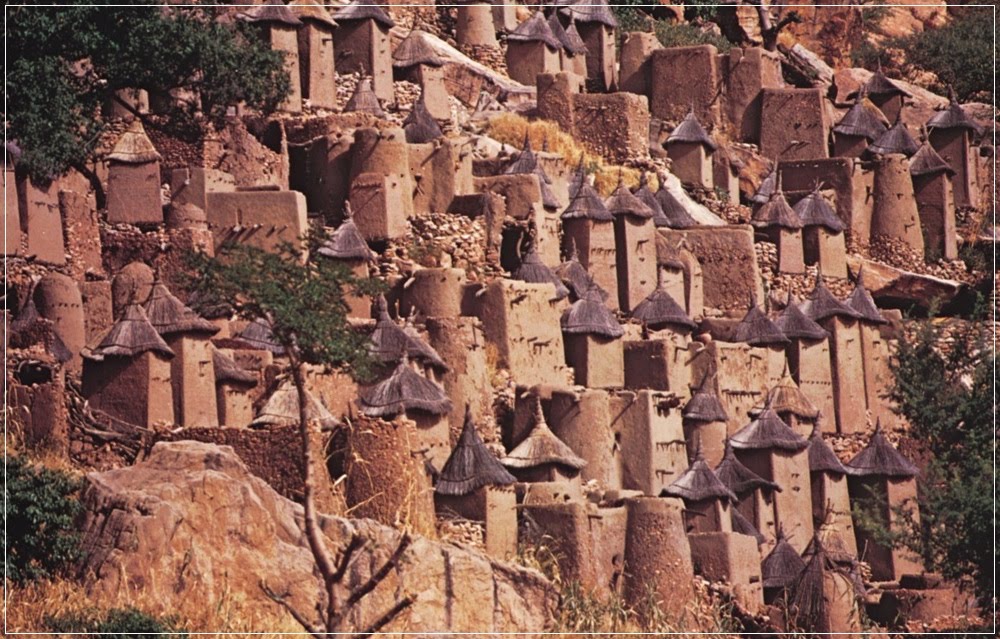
(808, 601)
(786, 397)
(312, 11)
(527, 163)
(675, 216)
(880, 459)
(743, 526)
(880, 85)
(258, 335)
(691, 131)
(585, 202)
(228, 371)
(404, 390)
(535, 29)
(590, 11)
(363, 100)
(272, 11)
(392, 343)
(471, 465)
(896, 140)
(821, 304)
(814, 210)
(776, 212)
(767, 187)
(926, 161)
(863, 120)
(953, 117)
(659, 309)
(860, 301)
(572, 45)
(574, 40)
(589, 315)
(575, 276)
(130, 336)
(645, 195)
(623, 202)
(782, 566)
(282, 409)
(822, 459)
(169, 315)
(419, 350)
(768, 431)
(365, 10)
(134, 146)
(541, 447)
(738, 478)
(698, 483)
(419, 125)
(705, 405)
(414, 50)
(757, 329)
(794, 324)
(20, 332)
(534, 271)
(347, 243)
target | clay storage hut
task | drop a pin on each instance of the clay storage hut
(647, 197)
(860, 301)
(623, 202)
(705, 421)
(419, 126)
(534, 271)
(823, 598)
(822, 235)
(690, 150)
(771, 449)
(317, 71)
(422, 353)
(754, 494)
(573, 52)
(279, 29)
(635, 246)
(780, 570)
(744, 526)
(596, 24)
(885, 94)
(880, 479)
(415, 60)
(191, 373)
(404, 391)
(660, 311)
(792, 405)
(588, 226)
(952, 133)
(934, 190)
(706, 499)
(29, 328)
(364, 100)
(895, 140)
(543, 457)
(347, 246)
(392, 343)
(861, 125)
(874, 350)
(133, 192)
(526, 163)
(575, 276)
(475, 26)
(474, 485)
(127, 374)
(783, 228)
(232, 391)
(282, 409)
(257, 335)
(757, 330)
(532, 49)
(675, 216)
(830, 496)
(591, 337)
(362, 44)
(767, 187)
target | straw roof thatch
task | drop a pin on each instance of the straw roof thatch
(589, 315)
(659, 309)
(767, 187)
(542, 447)
(169, 315)
(808, 601)
(535, 29)
(471, 465)
(691, 131)
(698, 483)
(786, 397)
(743, 526)
(927, 161)
(282, 409)
(675, 216)
(821, 304)
(575, 276)
(402, 391)
(572, 45)
(794, 324)
(782, 566)
(757, 329)
(419, 125)
(414, 50)
(705, 405)
(768, 430)
(365, 10)
(258, 335)
(574, 42)
(228, 371)
(364, 100)
(738, 478)
(419, 350)
(814, 210)
(584, 201)
(863, 120)
(272, 11)
(896, 140)
(534, 271)
(526, 162)
(134, 146)
(645, 195)
(881, 459)
(21, 332)
(347, 243)
(822, 459)
(860, 301)
(880, 85)
(392, 343)
(953, 117)
(130, 336)
(776, 212)
(312, 11)
(589, 11)
(623, 202)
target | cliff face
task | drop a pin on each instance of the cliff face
(191, 522)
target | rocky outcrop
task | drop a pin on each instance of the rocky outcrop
(891, 284)
(190, 522)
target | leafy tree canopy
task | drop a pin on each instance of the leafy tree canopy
(65, 62)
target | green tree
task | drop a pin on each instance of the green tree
(961, 54)
(303, 301)
(40, 508)
(65, 62)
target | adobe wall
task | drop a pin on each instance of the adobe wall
(847, 364)
(614, 125)
(285, 40)
(265, 219)
(936, 208)
(657, 554)
(653, 454)
(895, 213)
(794, 124)
(852, 185)
(82, 233)
(793, 504)
(832, 506)
(597, 362)
(954, 147)
(133, 193)
(635, 259)
(686, 76)
(384, 152)
(741, 372)
(525, 60)
(316, 65)
(595, 245)
(362, 46)
(730, 274)
(730, 558)
(192, 377)
(583, 420)
(461, 343)
(635, 66)
(810, 364)
(135, 390)
(749, 72)
(658, 364)
(38, 207)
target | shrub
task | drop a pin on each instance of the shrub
(40, 507)
(961, 54)
(117, 623)
(687, 35)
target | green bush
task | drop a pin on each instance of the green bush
(960, 53)
(117, 623)
(688, 35)
(40, 507)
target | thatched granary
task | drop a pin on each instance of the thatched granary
(471, 465)
(675, 216)
(391, 343)
(403, 391)
(534, 271)
(257, 335)
(860, 301)
(895, 140)
(823, 598)
(526, 163)
(757, 329)
(589, 316)
(346, 242)
(706, 499)
(781, 568)
(822, 305)
(414, 50)
(575, 276)
(794, 324)
(585, 202)
(660, 310)
(419, 126)
(282, 409)
(861, 125)
(690, 150)
(364, 100)
(647, 197)
(705, 421)
(133, 191)
(542, 456)
(767, 431)
(623, 202)
(739, 479)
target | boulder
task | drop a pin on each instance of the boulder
(892, 286)
(190, 522)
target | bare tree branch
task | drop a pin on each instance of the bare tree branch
(388, 616)
(281, 600)
(382, 573)
(345, 559)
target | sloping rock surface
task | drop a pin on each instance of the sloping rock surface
(191, 522)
